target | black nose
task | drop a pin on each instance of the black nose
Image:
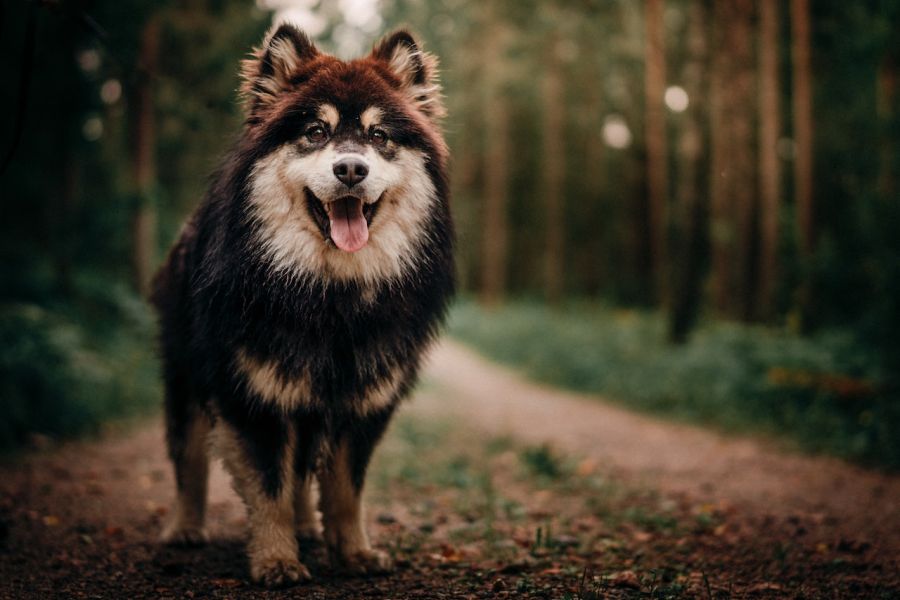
(350, 171)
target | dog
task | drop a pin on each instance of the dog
(301, 296)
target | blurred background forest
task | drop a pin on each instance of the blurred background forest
(689, 206)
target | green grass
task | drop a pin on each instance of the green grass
(824, 392)
(67, 366)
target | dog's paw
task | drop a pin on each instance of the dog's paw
(276, 573)
(367, 562)
(175, 535)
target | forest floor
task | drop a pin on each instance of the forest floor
(487, 486)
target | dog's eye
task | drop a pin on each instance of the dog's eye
(378, 137)
(316, 134)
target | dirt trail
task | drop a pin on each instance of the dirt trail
(671, 457)
(81, 520)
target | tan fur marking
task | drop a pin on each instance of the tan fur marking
(272, 548)
(187, 523)
(342, 512)
(329, 114)
(342, 516)
(269, 385)
(306, 517)
(383, 395)
(371, 116)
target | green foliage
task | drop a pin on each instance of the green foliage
(542, 461)
(826, 392)
(78, 346)
(67, 367)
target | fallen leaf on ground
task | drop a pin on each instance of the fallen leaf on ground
(624, 579)
(586, 467)
(641, 536)
(765, 586)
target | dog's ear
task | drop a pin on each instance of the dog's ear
(270, 69)
(416, 70)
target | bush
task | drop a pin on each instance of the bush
(67, 367)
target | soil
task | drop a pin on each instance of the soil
(487, 486)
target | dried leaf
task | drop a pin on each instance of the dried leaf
(586, 467)
(624, 579)
(765, 586)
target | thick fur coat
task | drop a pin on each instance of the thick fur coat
(298, 302)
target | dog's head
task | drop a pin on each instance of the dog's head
(348, 161)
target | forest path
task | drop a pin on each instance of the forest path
(82, 519)
(848, 501)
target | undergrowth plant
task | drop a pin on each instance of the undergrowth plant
(826, 393)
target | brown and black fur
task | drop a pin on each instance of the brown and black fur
(223, 299)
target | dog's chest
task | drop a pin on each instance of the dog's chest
(360, 365)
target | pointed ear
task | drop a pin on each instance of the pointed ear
(269, 71)
(416, 70)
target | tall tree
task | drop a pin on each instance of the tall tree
(769, 172)
(803, 127)
(887, 86)
(553, 165)
(594, 253)
(732, 176)
(144, 224)
(656, 142)
(495, 226)
(689, 215)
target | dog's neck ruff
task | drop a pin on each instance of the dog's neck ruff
(294, 246)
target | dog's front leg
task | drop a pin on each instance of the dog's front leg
(341, 482)
(305, 516)
(260, 460)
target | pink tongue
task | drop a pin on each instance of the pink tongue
(349, 230)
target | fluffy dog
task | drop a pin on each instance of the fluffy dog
(297, 303)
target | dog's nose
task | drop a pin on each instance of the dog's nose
(350, 171)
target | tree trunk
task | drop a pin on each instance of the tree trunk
(596, 246)
(66, 216)
(803, 129)
(553, 161)
(496, 175)
(690, 209)
(888, 82)
(144, 160)
(769, 171)
(732, 177)
(655, 131)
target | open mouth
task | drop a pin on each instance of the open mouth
(345, 221)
